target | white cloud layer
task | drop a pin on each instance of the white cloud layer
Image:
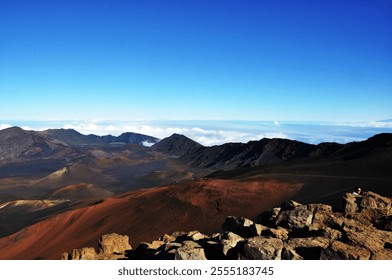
(4, 126)
(211, 133)
(207, 137)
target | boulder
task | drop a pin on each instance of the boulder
(167, 238)
(382, 204)
(155, 245)
(87, 253)
(196, 235)
(297, 218)
(322, 216)
(230, 241)
(280, 233)
(262, 248)
(350, 203)
(113, 243)
(190, 251)
(368, 237)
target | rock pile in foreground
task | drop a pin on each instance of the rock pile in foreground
(292, 232)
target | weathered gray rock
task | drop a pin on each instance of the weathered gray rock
(297, 218)
(262, 248)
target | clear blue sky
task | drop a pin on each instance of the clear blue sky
(260, 60)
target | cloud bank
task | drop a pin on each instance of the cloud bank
(211, 133)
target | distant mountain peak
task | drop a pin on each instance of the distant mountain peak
(177, 145)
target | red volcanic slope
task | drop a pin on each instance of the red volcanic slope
(146, 214)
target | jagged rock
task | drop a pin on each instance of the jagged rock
(87, 253)
(190, 254)
(341, 251)
(196, 235)
(289, 205)
(322, 216)
(297, 218)
(167, 238)
(280, 233)
(216, 236)
(351, 204)
(261, 248)
(238, 225)
(230, 241)
(114, 243)
(372, 200)
(290, 254)
(369, 237)
(153, 245)
(308, 248)
(177, 234)
(171, 245)
(256, 229)
(190, 251)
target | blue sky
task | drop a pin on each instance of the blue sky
(196, 60)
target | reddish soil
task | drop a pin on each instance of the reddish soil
(146, 214)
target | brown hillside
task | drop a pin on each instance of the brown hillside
(146, 214)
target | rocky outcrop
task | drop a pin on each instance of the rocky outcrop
(292, 232)
(111, 247)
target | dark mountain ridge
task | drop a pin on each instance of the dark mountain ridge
(17, 144)
(73, 138)
(253, 153)
(272, 151)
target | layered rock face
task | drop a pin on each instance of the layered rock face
(294, 231)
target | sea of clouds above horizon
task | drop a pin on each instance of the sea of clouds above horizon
(210, 133)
